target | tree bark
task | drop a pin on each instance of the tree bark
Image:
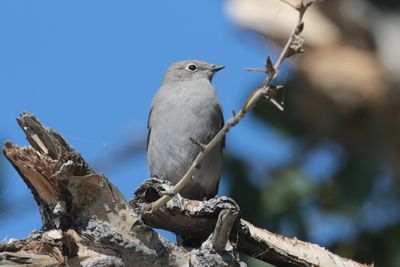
(87, 221)
(198, 218)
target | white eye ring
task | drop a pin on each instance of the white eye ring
(191, 67)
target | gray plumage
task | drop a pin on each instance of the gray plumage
(186, 107)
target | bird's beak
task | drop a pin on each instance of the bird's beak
(215, 68)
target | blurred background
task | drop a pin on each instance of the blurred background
(326, 170)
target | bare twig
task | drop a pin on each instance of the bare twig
(199, 144)
(274, 102)
(256, 70)
(292, 47)
(289, 4)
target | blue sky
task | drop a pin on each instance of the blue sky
(89, 69)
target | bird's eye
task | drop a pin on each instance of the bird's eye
(192, 67)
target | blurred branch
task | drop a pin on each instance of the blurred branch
(293, 46)
(289, 4)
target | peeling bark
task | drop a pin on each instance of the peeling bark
(87, 221)
(198, 218)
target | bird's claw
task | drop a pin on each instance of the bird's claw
(167, 192)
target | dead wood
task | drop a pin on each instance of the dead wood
(88, 222)
(198, 219)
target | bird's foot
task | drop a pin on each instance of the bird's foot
(167, 192)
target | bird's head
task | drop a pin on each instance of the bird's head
(190, 70)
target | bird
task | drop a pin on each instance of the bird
(185, 111)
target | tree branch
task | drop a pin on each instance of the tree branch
(198, 219)
(86, 220)
(292, 47)
(223, 227)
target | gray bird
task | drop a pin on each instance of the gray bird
(184, 108)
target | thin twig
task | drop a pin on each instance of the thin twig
(197, 143)
(289, 4)
(255, 96)
(256, 70)
(274, 102)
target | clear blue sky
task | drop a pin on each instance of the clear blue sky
(89, 69)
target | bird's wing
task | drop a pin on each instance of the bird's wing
(148, 128)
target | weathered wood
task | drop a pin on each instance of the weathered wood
(186, 217)
(198, 218)
(223, 227)
(86, 220)
(65, 188)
